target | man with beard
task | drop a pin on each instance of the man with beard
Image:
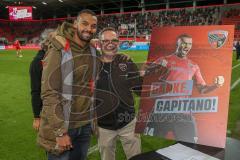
(116, 82)
(180, 68)
(68, 70)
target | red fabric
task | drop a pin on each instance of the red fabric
(91, 84)
(17, 44)
(67, 45)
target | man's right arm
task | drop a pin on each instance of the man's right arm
(35, 79)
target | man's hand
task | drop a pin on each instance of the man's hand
(157, 67)
(64, 142)
(124, 57)
(161, 62)
(219, 81)
(143, 69)
(94, 43)
(36, 123)
(95, 130)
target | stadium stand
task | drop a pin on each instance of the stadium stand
(129, 25)
(232, 16)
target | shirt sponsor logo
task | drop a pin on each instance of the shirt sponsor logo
(122, 66)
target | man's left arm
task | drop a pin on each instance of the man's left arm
(134, 78)
(35, 79)
(202, 87)
(218, 82)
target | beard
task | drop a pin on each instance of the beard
(110, 50)
(182, 52)
(83, 37)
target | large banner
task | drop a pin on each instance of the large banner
(186, 89)
(20, 13)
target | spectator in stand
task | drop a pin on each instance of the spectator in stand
(232, 13)
(144, 21)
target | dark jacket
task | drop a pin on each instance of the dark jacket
(115, 102)
(52, 116)
(237, 47)
(35, 79)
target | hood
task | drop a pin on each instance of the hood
(66, 30)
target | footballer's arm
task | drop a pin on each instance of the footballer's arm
(218, 82)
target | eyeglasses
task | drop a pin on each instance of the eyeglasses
(110, 41)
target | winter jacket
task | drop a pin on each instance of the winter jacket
(52, 118)
(114, 94)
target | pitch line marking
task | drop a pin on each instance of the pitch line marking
(236, 66)
(235, 83)
(93, 149)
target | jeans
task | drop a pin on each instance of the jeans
(80, 138)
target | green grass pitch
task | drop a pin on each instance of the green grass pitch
(18, 139)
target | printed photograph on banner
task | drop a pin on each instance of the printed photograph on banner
(186, 87)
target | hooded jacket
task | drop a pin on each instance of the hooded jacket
(52, 118)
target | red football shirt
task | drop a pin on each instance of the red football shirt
(183, 69)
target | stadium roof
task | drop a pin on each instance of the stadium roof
(61, 8)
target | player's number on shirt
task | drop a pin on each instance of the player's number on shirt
(149, 131)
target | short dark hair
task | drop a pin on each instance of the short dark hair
(106, 29)
(184, 35)
(87, 11)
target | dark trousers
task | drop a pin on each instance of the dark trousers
(80, 138)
